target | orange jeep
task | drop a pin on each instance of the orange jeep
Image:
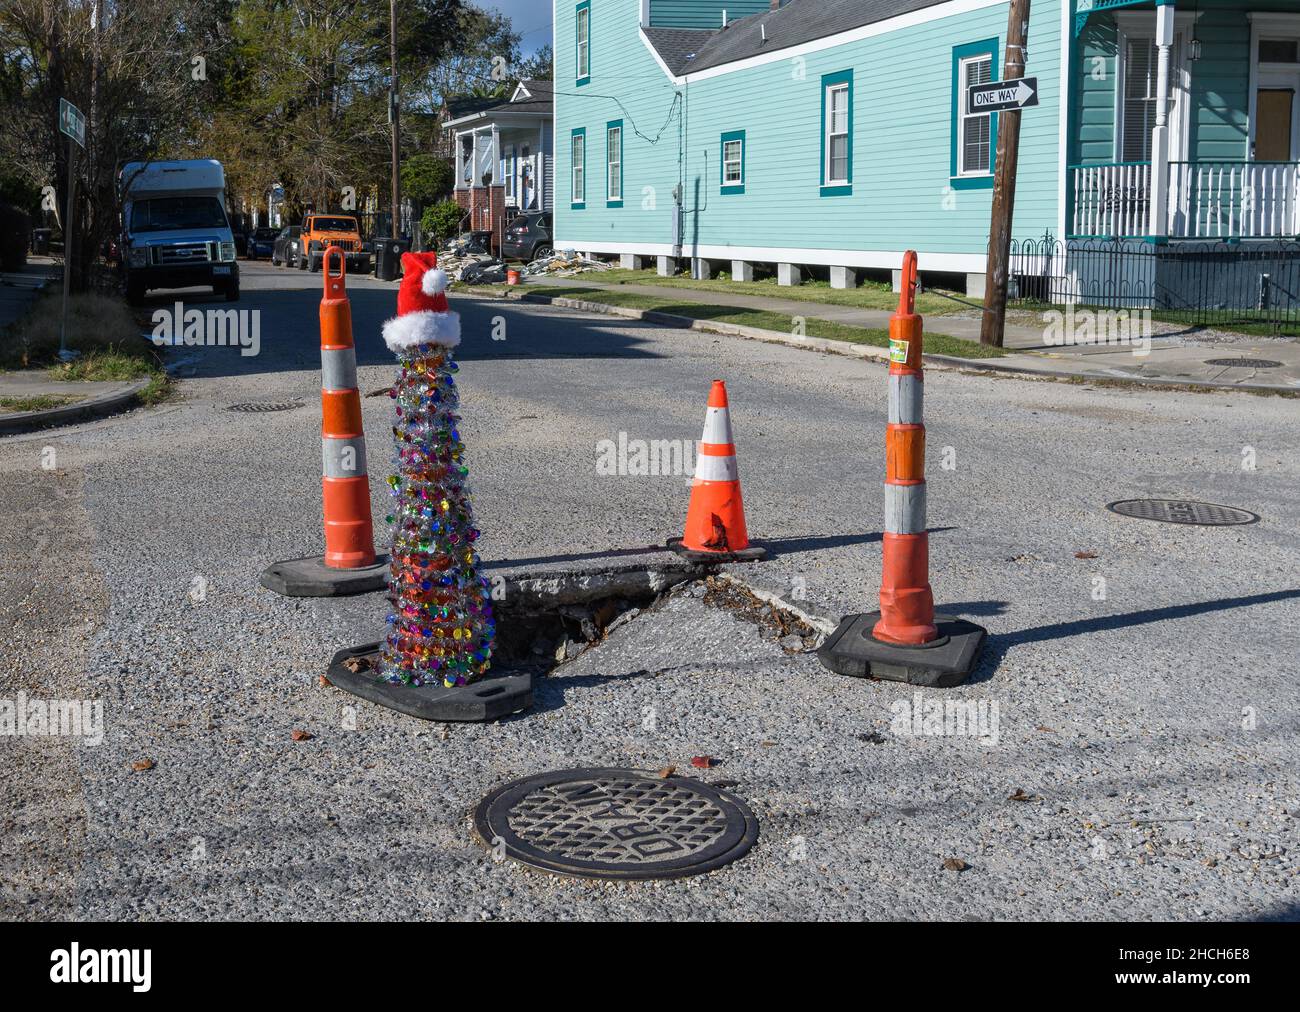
(321, 231)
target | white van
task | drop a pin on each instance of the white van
(175, 233)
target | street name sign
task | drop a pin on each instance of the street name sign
(72, 121)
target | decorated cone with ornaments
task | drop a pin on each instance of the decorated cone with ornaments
(434, 662)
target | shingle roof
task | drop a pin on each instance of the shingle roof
(540, 103)
(542, 100)
(674, 45)
(464, 105)
(797, 21)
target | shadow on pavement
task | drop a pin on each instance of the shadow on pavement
(999, 643)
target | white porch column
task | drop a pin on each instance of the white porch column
(460, 160)
(1159, 223)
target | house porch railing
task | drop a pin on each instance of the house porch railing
(1207, 200)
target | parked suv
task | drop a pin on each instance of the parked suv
(321, 231)
(528, 237)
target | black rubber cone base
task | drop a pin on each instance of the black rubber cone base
(495, 695)
(754, 553)
(312, 578)
(949, 660)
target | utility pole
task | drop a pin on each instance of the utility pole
(393, 117)
(1004, 185)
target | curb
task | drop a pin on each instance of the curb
(865, 351)
(96, 407)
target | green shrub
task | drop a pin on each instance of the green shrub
(442, 220)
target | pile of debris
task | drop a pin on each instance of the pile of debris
(566, 264)
(469, 253)
(467, 259)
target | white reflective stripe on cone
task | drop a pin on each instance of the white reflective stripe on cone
(709, 468)
(338, 369)
(906, 399)
(905, 509)
(717, 426)
(338, 462)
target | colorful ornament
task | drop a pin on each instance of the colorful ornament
(441, 627)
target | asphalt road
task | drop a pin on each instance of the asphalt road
(1147, 722)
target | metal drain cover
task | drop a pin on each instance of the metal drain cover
(1245, 363)
(262, 406)
(616, 824)
(1181, 511)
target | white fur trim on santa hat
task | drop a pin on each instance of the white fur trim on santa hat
(410, 330)
(434, 281)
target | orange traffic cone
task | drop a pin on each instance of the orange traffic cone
(715, 520)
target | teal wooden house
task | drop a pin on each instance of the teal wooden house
(829, 136)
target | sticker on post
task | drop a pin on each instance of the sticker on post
(897, 351)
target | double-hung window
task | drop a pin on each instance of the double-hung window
(1141, 65)
(582, 42)
(973, 134)
(579, 155)
(837, 134)
(733, 162)
(614, 164)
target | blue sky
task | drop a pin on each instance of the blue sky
(531, 18)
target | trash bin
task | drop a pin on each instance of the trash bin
(388, 257)
(41, 241)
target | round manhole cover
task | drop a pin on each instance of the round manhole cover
(264, 406)
(1245, 363)
(1181, 511)
(616, 824)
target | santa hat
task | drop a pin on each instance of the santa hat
(423, 316)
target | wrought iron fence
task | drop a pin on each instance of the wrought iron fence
(1249, 284)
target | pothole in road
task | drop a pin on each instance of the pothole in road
(547, 621)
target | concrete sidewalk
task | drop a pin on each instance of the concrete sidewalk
(1177, 354)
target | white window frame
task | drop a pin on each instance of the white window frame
(578, 181)
(583, 43)
(831, 133)
(963, 116)
(613, 166)
(508, 168)
(738, 162)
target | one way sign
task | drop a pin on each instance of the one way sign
(1002, 95)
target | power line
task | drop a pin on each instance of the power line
(677, 98)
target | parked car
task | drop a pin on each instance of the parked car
(528, 237)
(321, 231)
(262, 242)
(285, 249)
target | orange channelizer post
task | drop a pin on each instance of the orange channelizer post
(349, 534)
(906, 603)
(715, 519)
(905, 640)
(349, 565)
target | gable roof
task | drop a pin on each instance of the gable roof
(686, 51)
(532, 97)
